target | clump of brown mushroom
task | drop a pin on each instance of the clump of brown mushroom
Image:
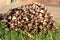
(30, 17)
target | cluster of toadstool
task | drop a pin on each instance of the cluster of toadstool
(30, 17)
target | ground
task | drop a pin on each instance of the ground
(56, 11)
(52, 9)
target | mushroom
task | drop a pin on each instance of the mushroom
(42, 11)
(13, 18)
(9, 17)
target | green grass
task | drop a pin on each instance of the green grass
(13, 35)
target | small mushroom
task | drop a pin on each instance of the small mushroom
(16, 29)
(7, 29)
(44, 23)
(9, 17)
(42, 11)
(40, 15)
(13, 18)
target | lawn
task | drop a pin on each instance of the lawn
(43, 35)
